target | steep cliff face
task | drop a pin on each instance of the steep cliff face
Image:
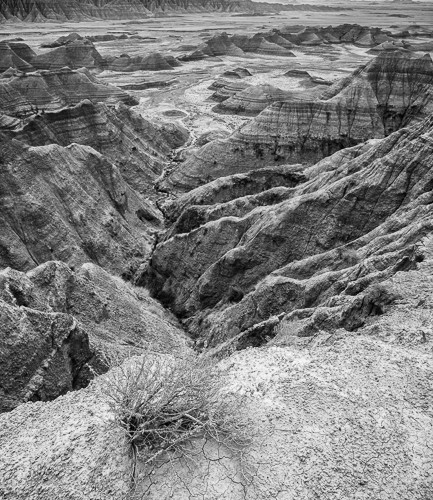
(356, 221)
(390, 92)
(70, 204)
(15, 55)
(58, 323)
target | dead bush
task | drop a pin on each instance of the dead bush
(164, 404)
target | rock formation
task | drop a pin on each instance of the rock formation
(357, 221)
(251, 101)
(70, 204)
(354, 409)
(292, 259)
(152, 62)
(15, 55)
(226, 88)
(75, 54)
(390, 92)
(236, 73)
(279, 42)
(137, 146)
(362, 36)
(59, 324)
(63, 40)
(27, 93)
(80, 10)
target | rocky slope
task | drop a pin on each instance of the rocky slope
(279, 41)
(58, 324)
(152, 62)
(357, 220)
(71, 204)
(15, 55)
(138, 147)
(392, 91)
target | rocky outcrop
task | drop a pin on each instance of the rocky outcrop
(362, 36)
(74, 54)
(390, 92)
(15, 55)
(260, 44)
(59, 326)
(352, 407)
(152, 62)
(279, 42)
(26, 94)
(402, 84)
(70, 204)
(226, 88)
(251, 101)
(42, 356)
(62, 40)
(137, 146)
(357, 221)
(236, 73)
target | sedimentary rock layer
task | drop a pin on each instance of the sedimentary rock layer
(392, 91)
(137, 146)
(251, 101)
(70, 204)
(24, 94)
(15, 55)
(61, 325)
(152, 62)
(75, 54)
(38, 10)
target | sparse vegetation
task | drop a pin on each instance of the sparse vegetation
(164, 404)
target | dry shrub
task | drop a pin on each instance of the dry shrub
(164, 404)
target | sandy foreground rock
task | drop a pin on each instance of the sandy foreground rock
(350, 418)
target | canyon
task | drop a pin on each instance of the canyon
(239, 185)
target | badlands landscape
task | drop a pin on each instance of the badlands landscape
(216, 250)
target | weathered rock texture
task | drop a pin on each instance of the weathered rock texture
(23, 94)
(137, 146)
(15, 55)
(251, 101)
(390, 92)
(75, 54)
(354, 409)
(56, 323)
(81, 10)
(226, 88)
(151, 62)
(42, 353)
(70, 204)
(236, 73)
(278, 42)
(357, 221)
